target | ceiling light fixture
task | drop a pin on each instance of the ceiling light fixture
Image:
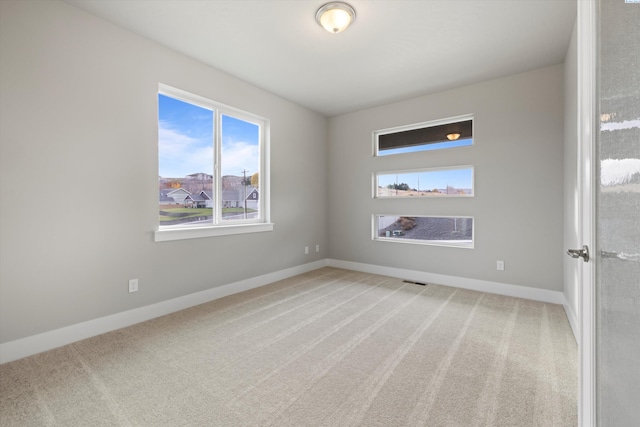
(453, 136)
(335, 17)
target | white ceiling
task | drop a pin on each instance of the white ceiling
(396, 49)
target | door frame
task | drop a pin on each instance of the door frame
(587, 134)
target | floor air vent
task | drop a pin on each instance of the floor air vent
(415, 283)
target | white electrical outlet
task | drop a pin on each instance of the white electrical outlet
(306, 250)
(500, 265)
(317, 248)
(133, 285)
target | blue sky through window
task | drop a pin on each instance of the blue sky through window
(427, 147)
(240, 151)
(186, 146)
(429, 180)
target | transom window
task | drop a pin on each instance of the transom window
(212, 168)
(454, 181)
(422, 229)
(434, 135)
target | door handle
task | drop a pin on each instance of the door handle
(579, 253)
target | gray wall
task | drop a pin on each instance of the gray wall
(78, 176)
(78, 183)
(618, 217)
(572, 235)
(518, 203)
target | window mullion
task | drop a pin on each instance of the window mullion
(217, 167)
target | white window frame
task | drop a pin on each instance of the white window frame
(439, 195)
(449, 243)
(226, 227)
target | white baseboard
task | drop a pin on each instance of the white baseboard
(573, 320)
(34, 344)
(526, 292)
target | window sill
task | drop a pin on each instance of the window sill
(222, 230)
(465, 244)
(425, 197)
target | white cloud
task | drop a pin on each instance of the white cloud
(238, 156)
(181, 155)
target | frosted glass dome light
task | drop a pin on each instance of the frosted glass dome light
(335, 17)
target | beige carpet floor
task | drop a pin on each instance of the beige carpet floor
(328, 348)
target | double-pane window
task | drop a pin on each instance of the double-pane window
(211, 163)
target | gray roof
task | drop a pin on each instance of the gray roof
(237, 194)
